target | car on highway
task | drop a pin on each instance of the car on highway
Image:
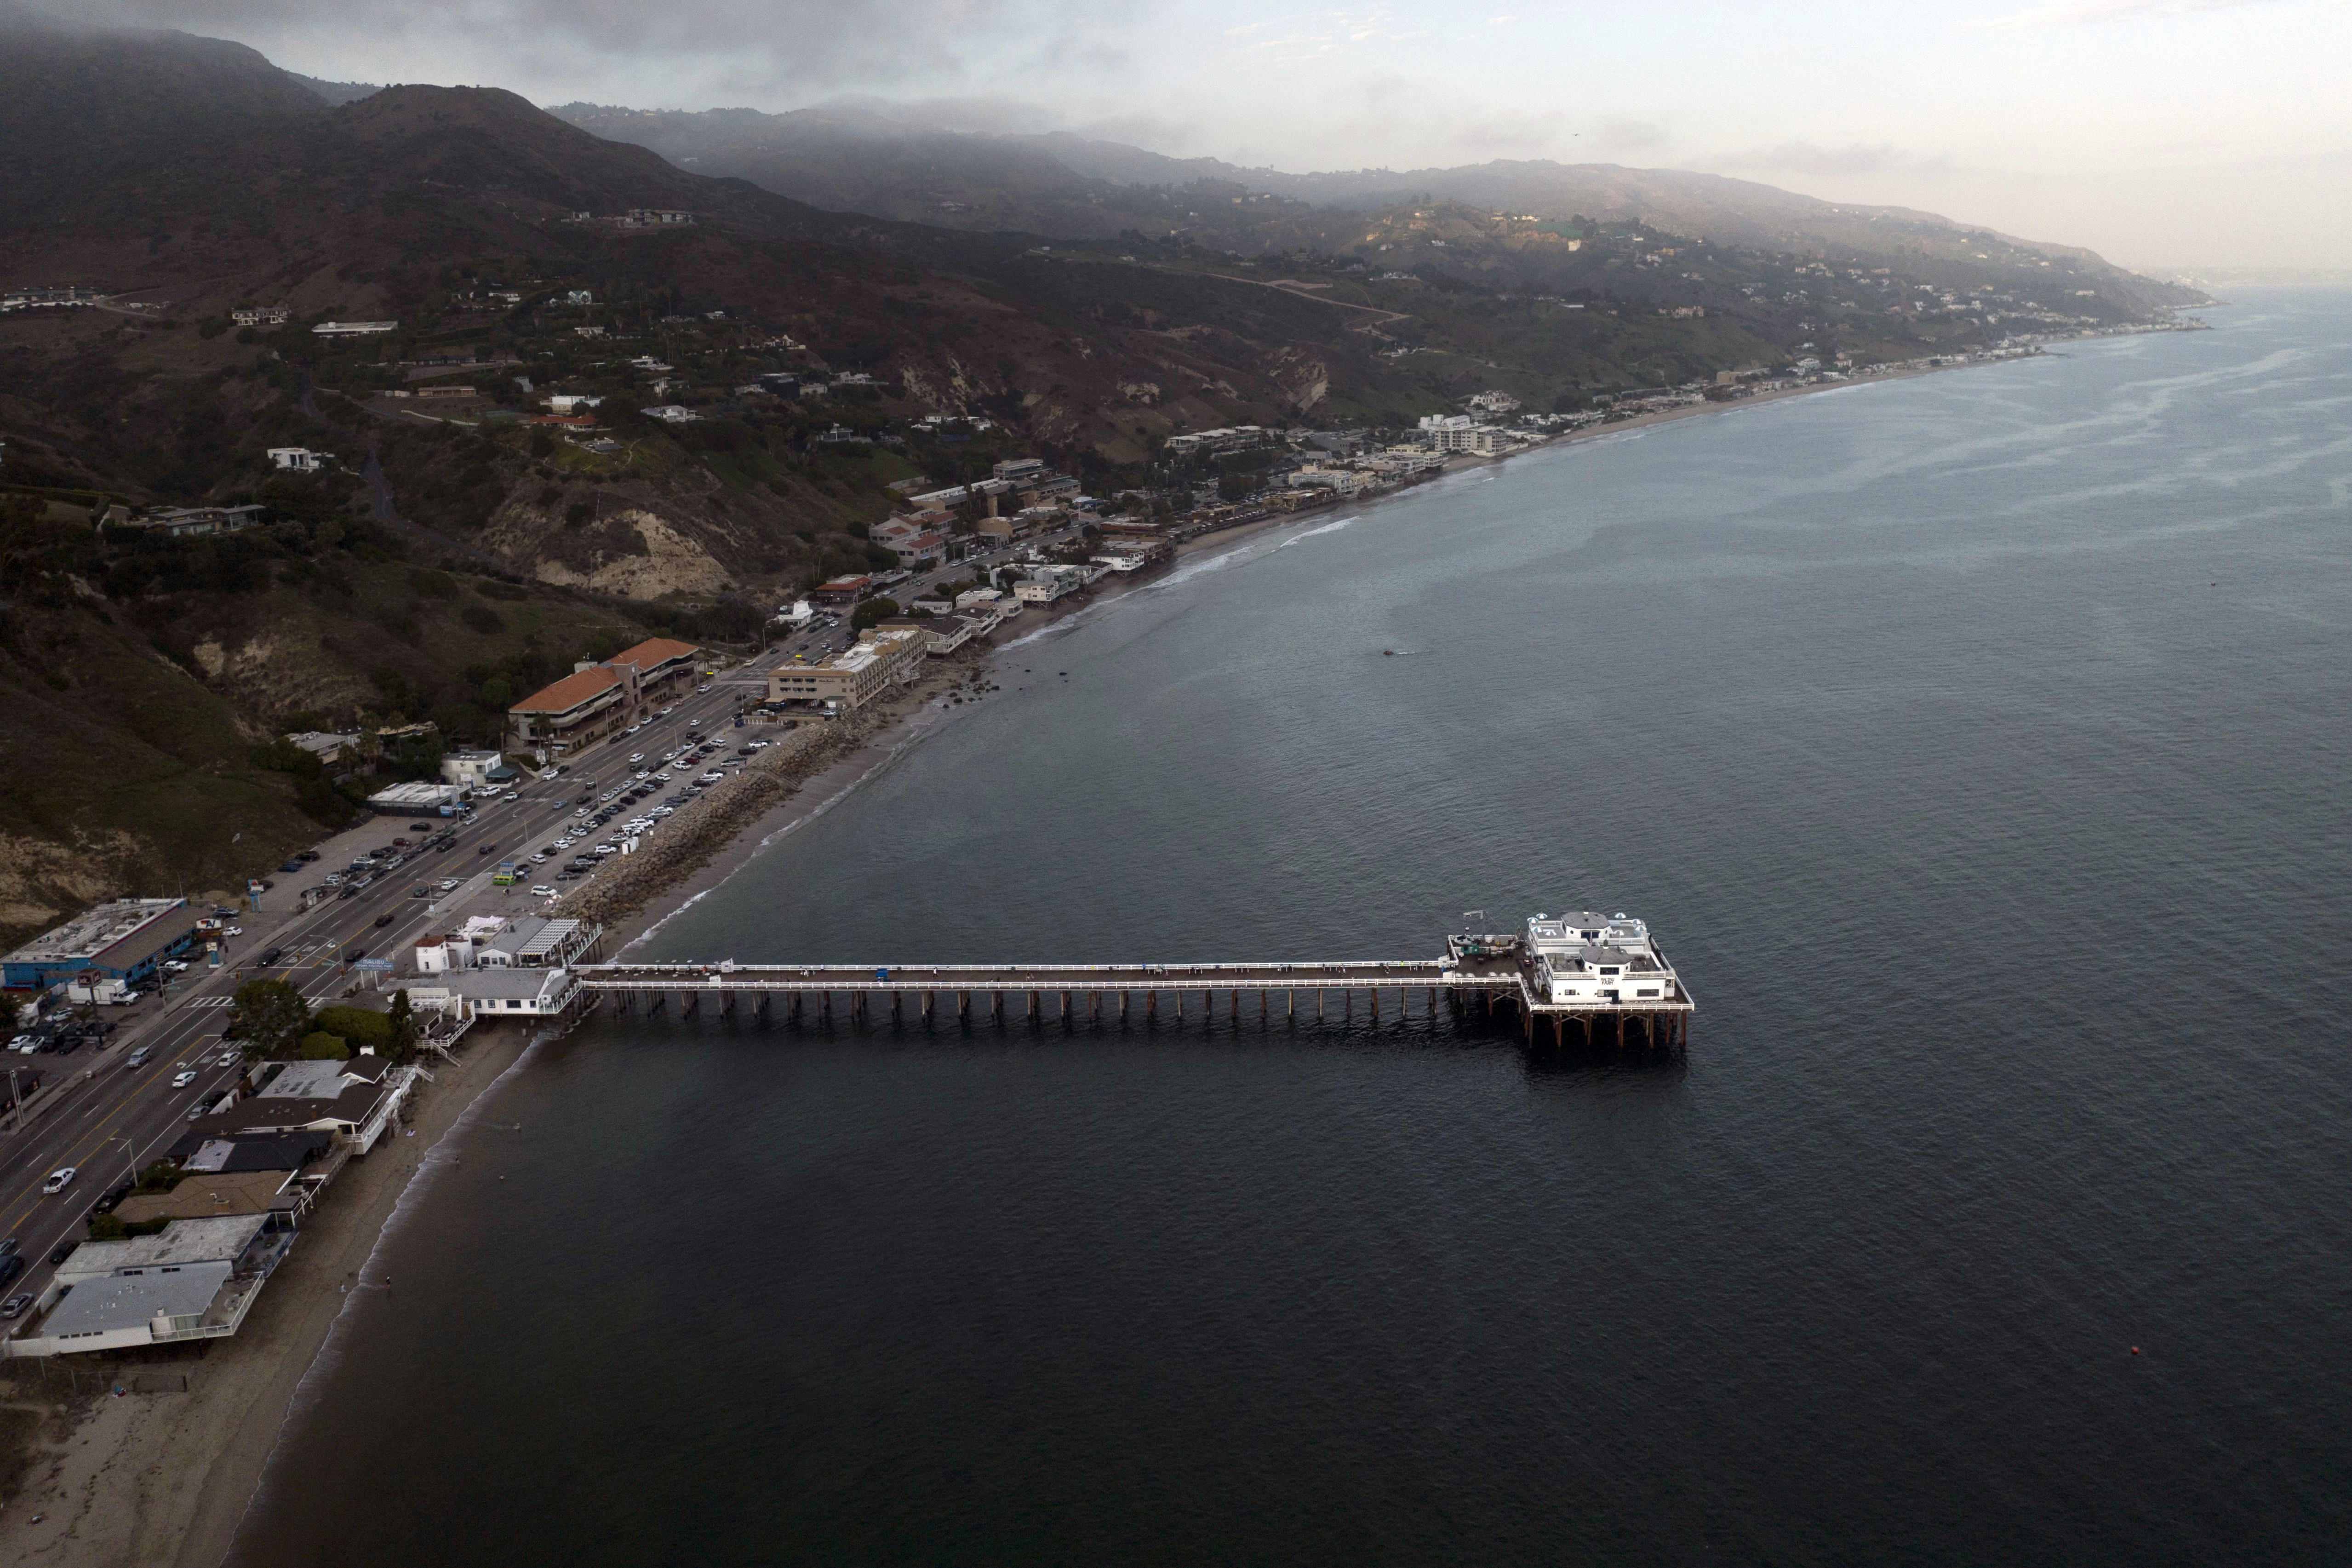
(486, 848)
(420, 891)
(59, 1179)
(353, 955)
(181, 1079)
(138, 1058)
(701, 688)
(636, 757)
(448, 884)
(694, 724)
(384, 919)
(269, 956)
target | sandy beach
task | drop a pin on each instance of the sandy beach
(163, 1472)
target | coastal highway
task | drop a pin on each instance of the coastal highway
(109, 1120)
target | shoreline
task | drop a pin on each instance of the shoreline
(166, 1472)
(171, 1476)
(899, 723)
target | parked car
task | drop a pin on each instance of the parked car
(232, 931)
(14, 1307)
(59, 1179)
(307, 856)
(292, 867)
(114, 1194)
(420, 827)
(449, 884)
(62, 1250)
(10, 1267)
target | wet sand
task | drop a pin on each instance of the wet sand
(164, 1475)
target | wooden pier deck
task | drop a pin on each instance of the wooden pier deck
(1096, 993)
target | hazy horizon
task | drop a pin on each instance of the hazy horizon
(2166, 134)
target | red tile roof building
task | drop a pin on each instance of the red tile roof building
(596, 699)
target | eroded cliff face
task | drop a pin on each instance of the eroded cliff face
(631, 551)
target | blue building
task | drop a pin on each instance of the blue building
(124, 940)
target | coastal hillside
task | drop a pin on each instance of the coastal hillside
(548, 391)
(860, 159)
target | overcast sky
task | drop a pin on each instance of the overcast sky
(2164, 133)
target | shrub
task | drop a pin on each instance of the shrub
(484, 619)
(356, 1026)
(324, 1046)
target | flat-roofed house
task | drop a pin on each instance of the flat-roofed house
(354, 1101)
(196, 1280)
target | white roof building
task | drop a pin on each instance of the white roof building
(195, 1279)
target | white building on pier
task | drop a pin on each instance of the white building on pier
(1592, 959)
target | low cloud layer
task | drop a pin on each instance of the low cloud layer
(2157, 129)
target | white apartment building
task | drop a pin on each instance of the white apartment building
(849, 680)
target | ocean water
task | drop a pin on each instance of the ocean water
(1974, 744)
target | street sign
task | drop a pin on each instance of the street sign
(373, 965)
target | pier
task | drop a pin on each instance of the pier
(1583, 976)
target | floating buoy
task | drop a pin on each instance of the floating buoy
(2135, 1349)
(1388, 652)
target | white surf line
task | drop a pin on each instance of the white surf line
(1325, 528)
